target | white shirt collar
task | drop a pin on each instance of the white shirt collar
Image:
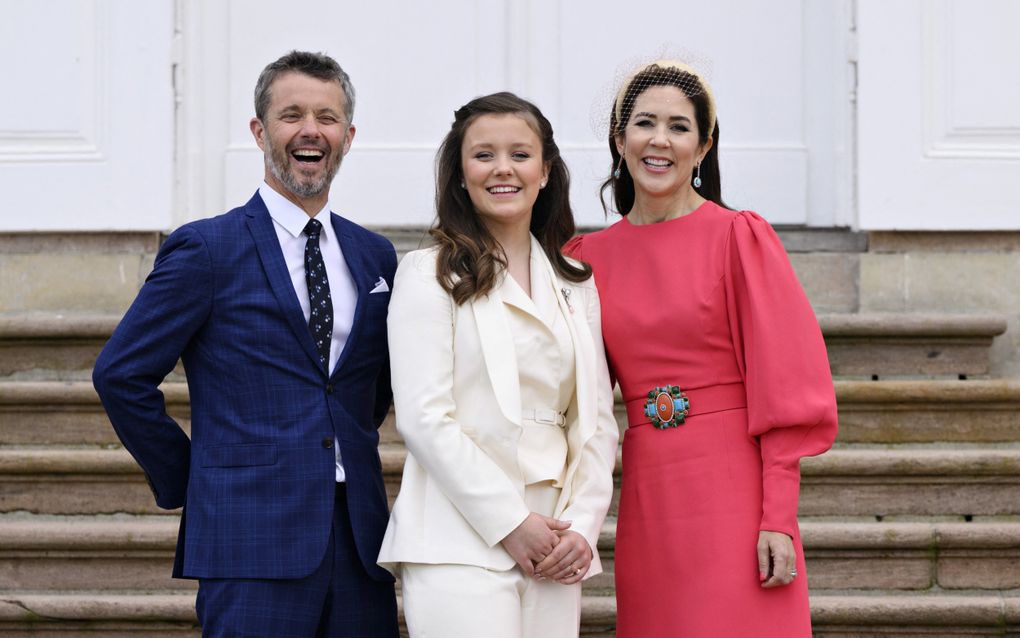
(291, 217)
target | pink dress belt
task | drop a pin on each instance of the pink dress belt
(714, 398)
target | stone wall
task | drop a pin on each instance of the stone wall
(73, 272)
(953, 272)
(842, 272)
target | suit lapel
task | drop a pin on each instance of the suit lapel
(260, 224)
(498, 351)
(354, 255)
(573, 312)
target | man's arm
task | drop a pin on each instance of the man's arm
(172, 304)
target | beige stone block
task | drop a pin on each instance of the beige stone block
(63, 426)
(49, 413)
(962, 282)
(829, 279)
(882, 283)
(977, 570)
(62, 573)
(1004, 355)
(869, 570)
(138, 615)
(69, 282)
(905, 615)
(35, 243)
(928, 411)
(907, 498)
(943, 241)
(65, 360)
(76, 494)
(907, 423)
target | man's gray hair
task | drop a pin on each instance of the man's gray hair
(316, 65)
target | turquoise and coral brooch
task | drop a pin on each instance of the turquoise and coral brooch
(667, 407)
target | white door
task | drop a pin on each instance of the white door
(780, 74)
(939, 118)
(86, 123)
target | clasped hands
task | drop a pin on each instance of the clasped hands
(546, 548)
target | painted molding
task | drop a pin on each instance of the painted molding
(83, 144)
(945, 136)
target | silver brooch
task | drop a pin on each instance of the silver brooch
(566, 297)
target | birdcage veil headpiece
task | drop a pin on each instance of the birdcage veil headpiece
(683, 69)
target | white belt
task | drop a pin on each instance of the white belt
(548, 417)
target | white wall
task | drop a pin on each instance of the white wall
(134, 115)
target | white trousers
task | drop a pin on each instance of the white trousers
(466, 601)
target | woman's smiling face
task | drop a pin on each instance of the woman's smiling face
(501, 159)
(661, 142)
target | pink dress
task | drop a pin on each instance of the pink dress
(709, 302)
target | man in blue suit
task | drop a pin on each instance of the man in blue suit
(278, 311)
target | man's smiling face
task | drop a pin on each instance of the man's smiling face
(304, 137)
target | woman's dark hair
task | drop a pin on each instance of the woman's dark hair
(655, 75)
(470, 258)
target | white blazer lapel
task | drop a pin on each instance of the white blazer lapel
(573, 309)
(498, 351)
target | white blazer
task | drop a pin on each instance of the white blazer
(457, 399)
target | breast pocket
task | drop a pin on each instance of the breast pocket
(243, 455)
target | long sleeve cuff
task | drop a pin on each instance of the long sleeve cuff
(780, 496)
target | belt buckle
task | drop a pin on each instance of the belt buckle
(667, 407)
(549, 417)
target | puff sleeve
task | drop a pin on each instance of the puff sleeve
(574, 247)
(791, 402)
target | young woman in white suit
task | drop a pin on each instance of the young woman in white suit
(501, 391)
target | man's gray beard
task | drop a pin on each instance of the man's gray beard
(279, 167)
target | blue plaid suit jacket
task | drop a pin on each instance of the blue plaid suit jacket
(256, 479)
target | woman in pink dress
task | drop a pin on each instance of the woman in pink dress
(724, 373)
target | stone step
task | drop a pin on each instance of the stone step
(853, 615)
(52, 346)
(929, 480)
(929, 411)
(136, 552)
(45, 553)
(880, 345)
(155, 614)
(913, 481)
(69, 413)
(833, 614)
(39, 346)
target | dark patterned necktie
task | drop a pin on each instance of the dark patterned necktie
(320, 322)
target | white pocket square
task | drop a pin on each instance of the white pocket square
(380, 286)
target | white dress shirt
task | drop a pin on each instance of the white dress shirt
(289, 222)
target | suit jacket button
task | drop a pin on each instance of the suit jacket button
(327, 443)
(329, 389)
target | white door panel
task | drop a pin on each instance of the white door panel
(412, 64)
(86, 126)
(939, 115)
(140, 120)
